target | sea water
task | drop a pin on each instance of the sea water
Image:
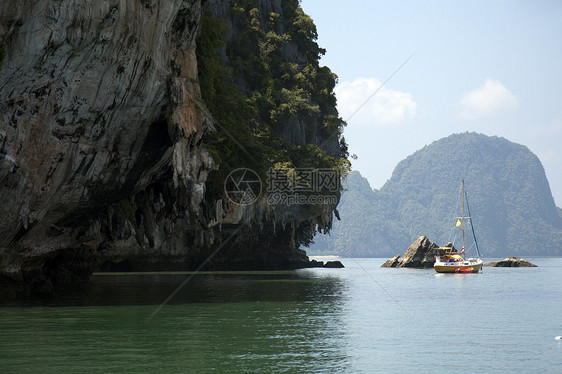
(360, 319)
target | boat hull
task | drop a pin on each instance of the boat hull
(458, 268)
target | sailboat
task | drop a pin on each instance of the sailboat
(452, 261)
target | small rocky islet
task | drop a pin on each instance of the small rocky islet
(511, 262)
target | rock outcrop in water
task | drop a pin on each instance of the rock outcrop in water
(103, 160)
(420, 254)
(334, 265)
(511, 262)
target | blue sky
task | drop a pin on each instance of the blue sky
(494, 67)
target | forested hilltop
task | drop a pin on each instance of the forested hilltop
(513, 211)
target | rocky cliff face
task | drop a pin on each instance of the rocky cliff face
(102, 155)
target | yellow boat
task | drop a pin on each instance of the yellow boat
(452, 261)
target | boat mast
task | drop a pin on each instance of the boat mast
(463, 251)
(472, 227)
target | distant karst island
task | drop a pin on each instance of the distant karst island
(512, 205)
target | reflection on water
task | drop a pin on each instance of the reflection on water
(107, 289)
(219, 322)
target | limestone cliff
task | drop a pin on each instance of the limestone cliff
(103, 162)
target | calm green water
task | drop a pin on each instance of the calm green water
(310, 321)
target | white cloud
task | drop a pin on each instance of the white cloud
(487, 101)
(386, 107)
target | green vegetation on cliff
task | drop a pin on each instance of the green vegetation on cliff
(265, 88)
(272, 104)
(510, 199)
